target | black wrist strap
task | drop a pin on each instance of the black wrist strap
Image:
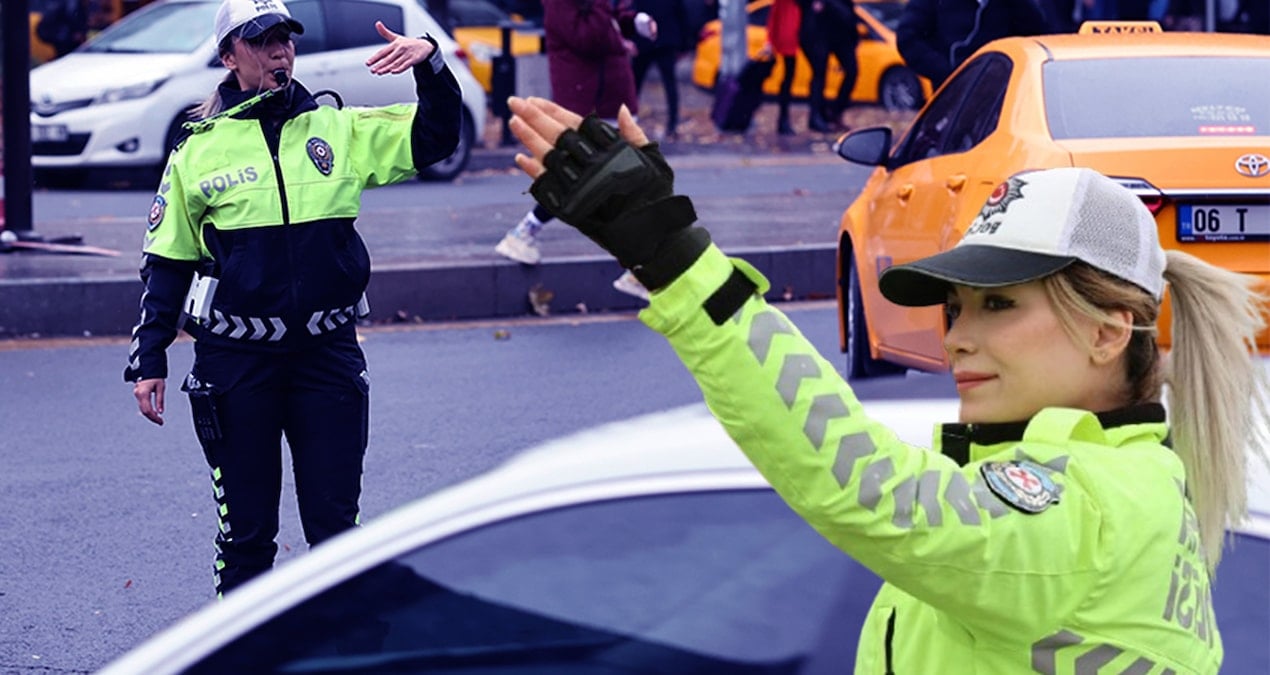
(729, 297)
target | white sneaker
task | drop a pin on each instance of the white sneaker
(519, 246)
(628, 284)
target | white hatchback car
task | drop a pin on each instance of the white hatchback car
(649, 545)
(118, 101)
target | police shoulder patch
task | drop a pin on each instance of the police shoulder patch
(1024, 485)
(157, 209)
(321, 154)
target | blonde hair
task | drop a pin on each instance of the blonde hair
(1213, 365)
(213, 103)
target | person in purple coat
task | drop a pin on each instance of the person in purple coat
(589, 46)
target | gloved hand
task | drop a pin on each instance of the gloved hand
(617, 194)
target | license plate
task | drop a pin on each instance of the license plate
(1224, 222)
(49, 133)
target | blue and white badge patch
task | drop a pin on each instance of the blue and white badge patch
(1023, 485)
(157, 209)
(321, 154)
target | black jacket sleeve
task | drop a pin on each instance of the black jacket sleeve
(164, 282)
(917, 38)
(434, 134)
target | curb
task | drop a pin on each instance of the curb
(411, 293)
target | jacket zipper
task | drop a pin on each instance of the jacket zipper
(890, 636)
(274, 139)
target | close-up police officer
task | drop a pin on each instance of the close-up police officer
(1065, 523)
(251, 244)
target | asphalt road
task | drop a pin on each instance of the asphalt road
(107, 525)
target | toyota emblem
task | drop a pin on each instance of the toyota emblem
(1252, 165)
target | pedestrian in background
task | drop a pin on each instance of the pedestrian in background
(64, 25)
(671, 19)
(935, 36)
(829, 27)
(1067, 516)
(783, 22)
(251, 241)
(589, 46)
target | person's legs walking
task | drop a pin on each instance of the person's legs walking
(818, 56)
(845, 52)
(521, 242)
(783, 127)
(666, 59)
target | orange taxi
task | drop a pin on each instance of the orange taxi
(1181, 119)
(883, 77)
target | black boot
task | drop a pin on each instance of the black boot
(782, 123)
(816, 122)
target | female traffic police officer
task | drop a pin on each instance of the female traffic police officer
(1056, 530)
(251, 236)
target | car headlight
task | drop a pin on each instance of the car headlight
(116, 94)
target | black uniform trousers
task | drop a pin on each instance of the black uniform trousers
(317, 397)
(818, 40)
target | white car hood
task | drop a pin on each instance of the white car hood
(78, 76)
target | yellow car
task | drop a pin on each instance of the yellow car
(1181, 119)
(475, 26)
(883, 77)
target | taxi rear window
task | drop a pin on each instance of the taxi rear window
(1176, 96)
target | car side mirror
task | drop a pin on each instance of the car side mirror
(869, 146)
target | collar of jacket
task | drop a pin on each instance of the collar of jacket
(956, 440)
(285, 104)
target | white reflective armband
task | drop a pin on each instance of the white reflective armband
(198, 301)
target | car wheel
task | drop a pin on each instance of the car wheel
(450, 167)
(899, 89)
(860, 364)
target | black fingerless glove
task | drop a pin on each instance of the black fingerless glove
(621, 197)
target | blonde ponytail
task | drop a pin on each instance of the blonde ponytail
(1218, 390)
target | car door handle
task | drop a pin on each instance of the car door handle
(905, 192)
(955, 183)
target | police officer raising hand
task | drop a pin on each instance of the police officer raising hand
(401, 54)
(250, 246)
(1065, 522)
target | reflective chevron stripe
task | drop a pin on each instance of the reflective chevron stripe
(328, 320)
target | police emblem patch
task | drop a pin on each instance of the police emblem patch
(157, 209)
(321, 154)
(1023, 485)
(1001, 197)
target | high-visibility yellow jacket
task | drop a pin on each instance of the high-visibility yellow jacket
(1063, 544)
(264, 200)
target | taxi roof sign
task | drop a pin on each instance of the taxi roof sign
(1119, 27)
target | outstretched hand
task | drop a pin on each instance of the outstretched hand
(538, 124)
(613, 185)
(401, 54)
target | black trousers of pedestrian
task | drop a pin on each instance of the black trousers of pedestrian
(318, 399)
(665, 60)
(783, 98)
(818, 41)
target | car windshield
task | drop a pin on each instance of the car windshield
(1153, 97)
(887, 12)
(162, 28)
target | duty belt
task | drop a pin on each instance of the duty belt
(273, 328)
